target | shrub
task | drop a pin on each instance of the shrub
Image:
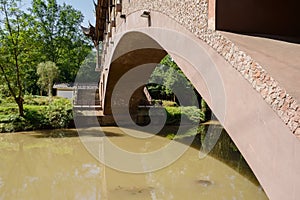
(29, 99)
(42, 100)
(173, 115)
(189, 114)
(59, 113)
(8, 110)
(13, 123)
(36, 100)
(39, 113)
(169, 104)
(193, 114)
(7, 100)
(35, 117)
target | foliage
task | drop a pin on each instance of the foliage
(166, 79)
(36, 118)
(15, 42)
(168, 61)
(36, 100)
(193, 114)
(46, 31)
(86, 73)
(16, 124)
(189, 114)
(7, 110)
(173, 115)
(169, 104)
(206, 110)
(59, 113)
(47, 72)
(60, 37)
(39, 113)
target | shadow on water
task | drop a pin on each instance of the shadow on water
(70, 133)
(224, 150)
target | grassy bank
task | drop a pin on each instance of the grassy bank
(39, 113)
(52, 113)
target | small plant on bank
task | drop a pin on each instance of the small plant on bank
(189, 113)
(59, 113)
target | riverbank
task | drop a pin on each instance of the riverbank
(39, 113)
(55, 113)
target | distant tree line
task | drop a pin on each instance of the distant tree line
(45, 31)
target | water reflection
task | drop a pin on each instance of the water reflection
(55, 165)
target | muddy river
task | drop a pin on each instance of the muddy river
(56, 165)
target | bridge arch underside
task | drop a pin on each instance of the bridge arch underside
(264, 140)
(123, 65)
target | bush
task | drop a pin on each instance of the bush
(59, 113)
(29, 99)
(39, 113)
(193, 114)
(13, 123)
(173, 115)
(169, 103)
(36, 100)
(8, 110)
(189, 114)
(35, 117)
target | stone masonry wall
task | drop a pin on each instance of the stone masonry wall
(193, 15)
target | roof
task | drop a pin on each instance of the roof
(63, 85)
(96, 33)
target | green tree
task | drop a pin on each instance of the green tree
(86, 73)
(14, 46)
(60, 37)
(46, 31)
(160, 91)
(47, 72)
(169, 74)
(168, 61)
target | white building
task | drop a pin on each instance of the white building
(64, 90)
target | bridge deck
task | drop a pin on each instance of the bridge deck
(280, 59)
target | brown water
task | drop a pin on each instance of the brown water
(55, 165)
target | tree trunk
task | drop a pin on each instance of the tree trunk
(49, 90)
(19, 101)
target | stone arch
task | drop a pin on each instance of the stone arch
(261, 136)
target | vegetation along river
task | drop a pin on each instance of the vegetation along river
(56, 165)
